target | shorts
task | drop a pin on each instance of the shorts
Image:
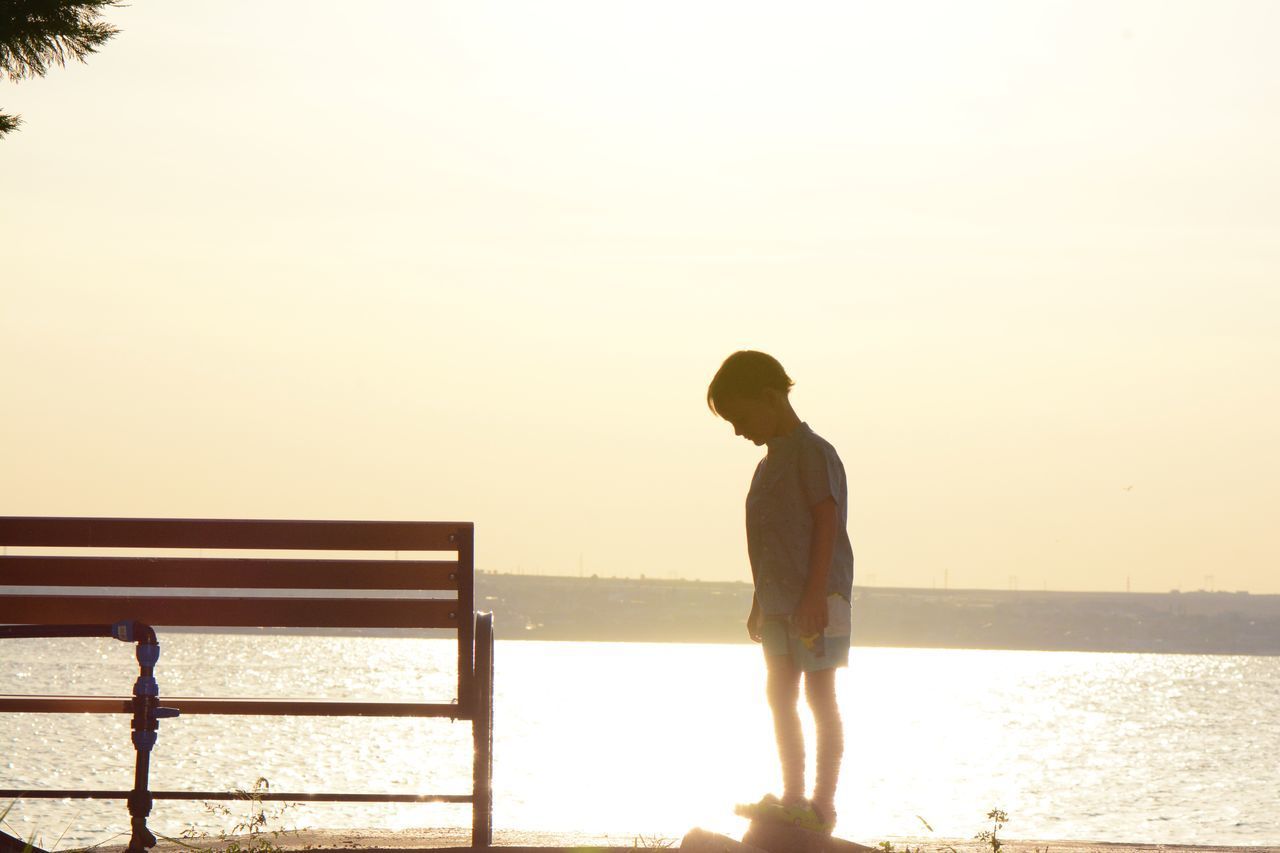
(827, 651)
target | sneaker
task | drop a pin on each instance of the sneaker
(806, 816)
(768, 808)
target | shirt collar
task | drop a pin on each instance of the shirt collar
(785, 442)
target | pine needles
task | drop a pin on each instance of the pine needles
(36, 35)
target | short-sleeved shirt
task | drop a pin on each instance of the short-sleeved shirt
(800, 470)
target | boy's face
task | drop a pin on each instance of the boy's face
(755, 419)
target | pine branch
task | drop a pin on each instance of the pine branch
(35, 34)
(8, 124)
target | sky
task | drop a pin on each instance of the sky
(460, 261)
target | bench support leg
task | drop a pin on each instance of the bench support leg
(482, 734)
(145, 723)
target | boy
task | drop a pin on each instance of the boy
(802, 566)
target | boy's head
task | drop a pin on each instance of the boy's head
(750, 391)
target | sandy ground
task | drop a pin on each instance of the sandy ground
(458, 839)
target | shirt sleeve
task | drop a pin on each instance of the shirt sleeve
(821, 474)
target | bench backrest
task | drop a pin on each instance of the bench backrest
(63, 561)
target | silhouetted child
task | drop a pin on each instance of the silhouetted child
(802, 565)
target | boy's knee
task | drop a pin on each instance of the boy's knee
(782, 690)
(782, 701)
(820, 691)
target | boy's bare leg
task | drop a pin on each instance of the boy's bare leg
(820, 691)
(784, 690)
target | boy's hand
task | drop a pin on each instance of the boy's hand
(810, 616)
(753, 623)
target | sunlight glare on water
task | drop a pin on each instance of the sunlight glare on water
(656, 738)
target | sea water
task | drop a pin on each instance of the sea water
(654, 739)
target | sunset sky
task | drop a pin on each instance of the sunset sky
(460, 261)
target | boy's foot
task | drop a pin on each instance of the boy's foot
(768, 808)
(814, 818)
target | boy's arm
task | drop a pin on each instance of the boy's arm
(810, 616)
(753, 620)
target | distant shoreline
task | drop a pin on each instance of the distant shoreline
(621, 610)
(649, 610)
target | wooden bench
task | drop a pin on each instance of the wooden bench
(52, 554)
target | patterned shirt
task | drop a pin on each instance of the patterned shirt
(800, 470)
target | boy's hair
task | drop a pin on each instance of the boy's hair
(747, 374)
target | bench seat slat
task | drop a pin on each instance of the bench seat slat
(230, 611)
(234, 533)
(228, 573)
(247, 707)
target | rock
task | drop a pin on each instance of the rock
(700, 841)
(775, 837)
